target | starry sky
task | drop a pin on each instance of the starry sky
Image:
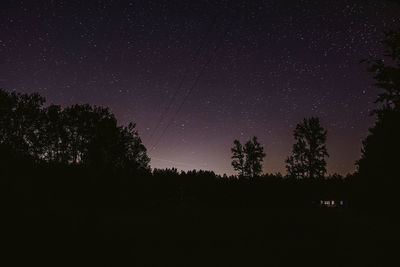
(195, 75)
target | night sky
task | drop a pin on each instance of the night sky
(195, 75)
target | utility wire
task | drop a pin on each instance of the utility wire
(178, 89)
(213, 56)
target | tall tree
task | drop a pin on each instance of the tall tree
(378, 165)
(247, 159)
(309, 151)
(238, 157)
(254, 157)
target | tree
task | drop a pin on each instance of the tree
(248, 159)
(54, 132)
(378, 165)
(95, 139)
(238, 157)
(387, 73)
(133, 152)
(379, 154)
(254, 157)
(20, 119)
(79, 134)
(309, 151)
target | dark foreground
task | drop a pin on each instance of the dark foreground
(73, 216)
(198, 236)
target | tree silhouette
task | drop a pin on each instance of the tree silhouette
(238, 158)
(78, 135)
(254, 157)
(248, 159)
(378, 165)
(309, 151)
(20, 118)
(380, 149)
(387, 73)
(132, 151)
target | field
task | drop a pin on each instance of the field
(200, 236)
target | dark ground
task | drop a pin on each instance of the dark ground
(188, 236)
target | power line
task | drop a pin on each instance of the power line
(213, 56)
(194, 58)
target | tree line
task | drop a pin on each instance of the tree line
(80, 153)
(75, 135)
(39, 141)
(307, 159)
(83, 135)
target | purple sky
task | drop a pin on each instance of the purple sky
(276, 62)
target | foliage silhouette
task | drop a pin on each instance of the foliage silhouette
(254, 157)
(20, 116)
(238, 157)
(387, 74)
(79, 134)
(377, 176)
(309, 151)
(247, 159)
(73, 180)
